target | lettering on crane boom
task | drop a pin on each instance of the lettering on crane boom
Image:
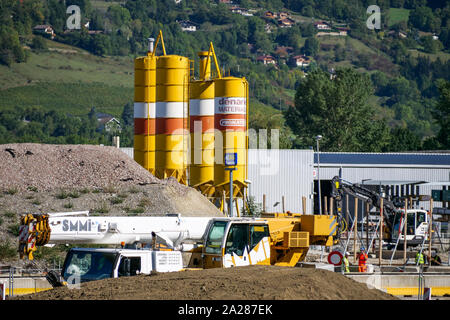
(68, 225)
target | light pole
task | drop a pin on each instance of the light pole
(318, 173)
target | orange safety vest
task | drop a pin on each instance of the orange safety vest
(362, 262)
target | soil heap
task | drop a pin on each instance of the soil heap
(239, 283)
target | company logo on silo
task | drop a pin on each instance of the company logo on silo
(233, 105)
(232, 122)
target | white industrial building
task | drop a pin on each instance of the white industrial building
(293, 174)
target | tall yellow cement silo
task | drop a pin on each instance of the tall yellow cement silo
(144, 109)
(172, 133)
(201, 119)
(231, 123)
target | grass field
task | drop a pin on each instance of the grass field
(71, 98)
(104, 5)
(71, 80)
(68, 79)
(397, 15)
(63, 64)
(444, 56)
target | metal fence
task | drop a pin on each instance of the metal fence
(21, 281)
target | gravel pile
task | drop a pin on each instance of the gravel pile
(49, 167)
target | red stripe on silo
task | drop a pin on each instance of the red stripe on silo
(144, 126)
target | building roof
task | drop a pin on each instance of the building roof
(42, 27)
(384, 158)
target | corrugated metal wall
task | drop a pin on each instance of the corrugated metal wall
(278, 173)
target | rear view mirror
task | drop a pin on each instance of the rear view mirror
(125, 267)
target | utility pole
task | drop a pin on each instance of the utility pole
(405, 228)
(430, 232)
(318, 173)
(380, 249)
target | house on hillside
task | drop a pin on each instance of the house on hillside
(108, 123)
(270, 15)
(301, 61)
(266, 59)
(44, 29)
(283, 15)
(322, 25)
(187, 26)
(286, 23)
(241, 11)
(94, 32)
(226, 1)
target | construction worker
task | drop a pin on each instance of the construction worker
(419, 259)
(435, 259)
(345, 266)
(362, 260)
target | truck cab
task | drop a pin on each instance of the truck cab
(89, 264)
(231, 242)
(416, 227)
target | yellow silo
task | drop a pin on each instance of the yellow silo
(172, 133)
(231, 123)
(201, 123)
(144, 110)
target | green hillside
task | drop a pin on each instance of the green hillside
(93, 67)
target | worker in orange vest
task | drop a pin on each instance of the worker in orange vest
(362, 260)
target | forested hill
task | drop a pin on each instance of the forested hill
(404, 53)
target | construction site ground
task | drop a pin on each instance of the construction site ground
(40, 178)
(239, 283)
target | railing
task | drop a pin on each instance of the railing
(10, 274)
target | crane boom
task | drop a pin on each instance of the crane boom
(61, 229)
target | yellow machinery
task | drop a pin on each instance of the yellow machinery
(201, 123)
(277, 239)
(172, 133)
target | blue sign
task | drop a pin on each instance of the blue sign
(230, 159)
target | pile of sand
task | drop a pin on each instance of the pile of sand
(239, 283)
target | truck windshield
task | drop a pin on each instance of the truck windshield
(85, 266)
(215, 237)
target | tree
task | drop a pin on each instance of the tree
(442, 114)
(311, 47)
(336, 107)
(430, 45)
(423, 19)
(38, 43)
(128, 115)
(403, 139)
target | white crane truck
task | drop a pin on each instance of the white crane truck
(146, 244)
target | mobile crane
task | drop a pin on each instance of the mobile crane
(156, 243)
(393, 212)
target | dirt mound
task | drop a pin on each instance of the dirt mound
(240, 283)
(47, 167)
